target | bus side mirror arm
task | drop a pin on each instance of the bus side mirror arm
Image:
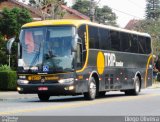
(74, 44)
(9, 44)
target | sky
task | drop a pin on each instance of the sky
(124, 9)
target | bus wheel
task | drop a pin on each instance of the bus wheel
(137, 87)
(91, 94)
(43, 97)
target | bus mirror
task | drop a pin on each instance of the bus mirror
(74, 48)
(9, 44)
(74, 44)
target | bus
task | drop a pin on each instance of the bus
(79, 57)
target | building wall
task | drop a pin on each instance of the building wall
(70, 16)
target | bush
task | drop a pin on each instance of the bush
(8, 80)
(5, 68)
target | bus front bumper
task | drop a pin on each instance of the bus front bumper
(56, 89)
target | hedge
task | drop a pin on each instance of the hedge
(8, 80)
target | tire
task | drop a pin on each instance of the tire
(137, 88)
(43, 97)
(92, 90)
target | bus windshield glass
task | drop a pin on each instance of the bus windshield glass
(46, 49)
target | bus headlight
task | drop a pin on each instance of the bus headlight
(22, 81)
(22, 77)
(66, 81)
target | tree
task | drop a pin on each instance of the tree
(51, 7)
(3, 55)
(103, 15)
(11, 21)
(153, 9)
(82, 6)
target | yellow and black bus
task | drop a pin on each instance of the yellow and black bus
(72, 57)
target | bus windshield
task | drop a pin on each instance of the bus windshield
(46, 49)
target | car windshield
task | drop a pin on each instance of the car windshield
(46, 49)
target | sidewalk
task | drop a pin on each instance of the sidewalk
(155, 85)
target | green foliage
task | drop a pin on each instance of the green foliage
(11, 21)
(153, 9)
(8, 80)
(3, 51)
(82, 6)
(5, 68)
(103, 15)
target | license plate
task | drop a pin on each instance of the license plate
(42, 88)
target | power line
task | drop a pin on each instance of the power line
(126, 13)
(123, 11)
(135, 4)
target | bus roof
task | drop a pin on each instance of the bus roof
(77, 23)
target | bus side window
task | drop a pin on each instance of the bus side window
(142, 45)
(93, 37)
(115, 40)
(134, 43)
(79, 56)
(148, 43)
(125, 43)
(82, 36)
(104, 39)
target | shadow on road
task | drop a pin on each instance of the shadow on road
(79, 98)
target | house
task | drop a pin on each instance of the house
(132, 24)
(37, 14)
(73, 14)
(69, 13)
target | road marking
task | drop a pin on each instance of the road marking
(78, 104)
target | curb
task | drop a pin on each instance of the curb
(155, 85)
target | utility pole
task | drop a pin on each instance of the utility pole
(153, 10)
(92, 10)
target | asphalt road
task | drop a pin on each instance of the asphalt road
(113, 104)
